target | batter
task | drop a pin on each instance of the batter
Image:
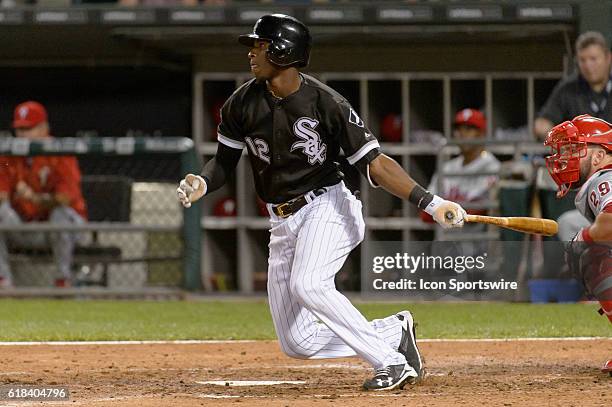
(295, 128)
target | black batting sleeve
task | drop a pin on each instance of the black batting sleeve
(222, 165)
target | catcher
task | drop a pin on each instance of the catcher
(582, 158)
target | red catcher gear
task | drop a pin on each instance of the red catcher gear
(569, 141)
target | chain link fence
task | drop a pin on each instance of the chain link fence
(134, 236)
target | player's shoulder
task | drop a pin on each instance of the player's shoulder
(326, 93)
(569, 83)
(604, 175)
(490, 160)
(596, 190)
(244, 91)
(454, 164)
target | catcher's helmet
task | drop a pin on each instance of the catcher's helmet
(289, 38)
(569, 141)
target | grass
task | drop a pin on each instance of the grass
(54, 320)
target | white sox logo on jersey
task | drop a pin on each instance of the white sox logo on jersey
(304, 128)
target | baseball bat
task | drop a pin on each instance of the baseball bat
(536, 226)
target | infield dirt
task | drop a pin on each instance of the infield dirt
(523, 373)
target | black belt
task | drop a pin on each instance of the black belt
(288, 208)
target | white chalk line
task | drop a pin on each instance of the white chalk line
(206, 342)
(565, 338)
(86, 343)
(248, 383)
(301, 396)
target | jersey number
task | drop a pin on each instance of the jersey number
(594, 199)
(603, 189)
(259, 148)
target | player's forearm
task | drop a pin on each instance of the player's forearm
(49, 200)
(387, 173)
(601, 230)
(214, 175)
(217, 170)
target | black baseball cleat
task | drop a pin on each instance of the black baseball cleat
(390, 377)
(408, 346)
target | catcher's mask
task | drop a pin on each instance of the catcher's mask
(568, 142)
(289, 39)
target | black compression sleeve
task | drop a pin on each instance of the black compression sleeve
(216, 171)
(362, 164)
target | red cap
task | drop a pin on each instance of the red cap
(471, 117)
(29, 114)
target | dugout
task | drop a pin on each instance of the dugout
(162, 72)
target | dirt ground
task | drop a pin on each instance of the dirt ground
(525, 373)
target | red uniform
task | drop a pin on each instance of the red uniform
(43, 174)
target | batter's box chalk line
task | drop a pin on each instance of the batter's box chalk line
(244, 383)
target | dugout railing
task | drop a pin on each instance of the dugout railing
(138, 239)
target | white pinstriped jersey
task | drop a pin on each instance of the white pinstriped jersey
(595, 195)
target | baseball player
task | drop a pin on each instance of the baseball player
(470, 124)
(39, 188)
(294, 128)
(582, 158)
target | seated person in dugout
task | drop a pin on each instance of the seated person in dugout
(474, 165)
(39, 189)
(470, 187)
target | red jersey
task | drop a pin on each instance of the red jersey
(44, 174)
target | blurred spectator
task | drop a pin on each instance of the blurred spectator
(39, 188)
(470, 124)
(587, 91)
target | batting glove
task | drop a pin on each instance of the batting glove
(191, 188)
(446, 213)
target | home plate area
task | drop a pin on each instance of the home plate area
(520, 373)
(243, 383)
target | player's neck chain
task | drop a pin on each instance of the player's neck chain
(274, 95)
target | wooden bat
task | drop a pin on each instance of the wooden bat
(536, 226)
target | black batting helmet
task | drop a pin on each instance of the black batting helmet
(289, 39)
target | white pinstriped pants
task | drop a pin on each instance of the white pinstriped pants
(312, 319)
